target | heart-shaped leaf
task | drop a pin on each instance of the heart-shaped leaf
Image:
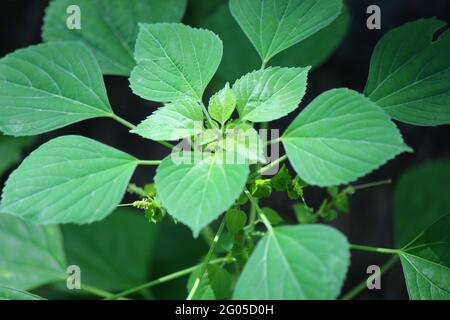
(175, 61)
(339, 137)
(30, 255)
(296, 262)
(312, 51)
(108, 27)
(68, 179)
(409, 74)
(421, 197)
(426, 263)
(173, 121)
(196, 188)
(269, 94)
(128, 235)
(273, 26)
(49, 86)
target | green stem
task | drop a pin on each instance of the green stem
(252, 219)
(95, 291)
(132, 126)
(273, 141)
(208, 235)
(205, 263)
(208, 117)
(123, 121)
(363, 284)
(371, 184)
(125, 205)
(258, 209)
(269, 166)
(374, 249)
(149, 162)
(263, 65)
(164, 279)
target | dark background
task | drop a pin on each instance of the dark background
(370, 220)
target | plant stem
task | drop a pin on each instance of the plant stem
(208, 117)
(269, 166)
(125, 205)
(164, 279)
(374, 249)
(371, 184)
(149, 162)
(273, 141)
(95, 291)
(132, 126)
(123, 121)
(260, 212)
(207, 258)
(208, 235)
(363, 284)
(263, 65)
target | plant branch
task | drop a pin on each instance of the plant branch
(95, 291)
(263, 64)
(123, 121)
(363, 284)
(132, 126)
(208, 117)
(164, 279)
(371, 184)
(258, 209)
(207, 258)
(273, 141)
(208, 235)
(269, 166)
(374, 249)
(149, 162)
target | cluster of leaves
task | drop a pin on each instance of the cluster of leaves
(339, 137)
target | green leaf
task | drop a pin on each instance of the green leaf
(11, 149)
(326, 211)
(261, 188)
(426, 263)
(296, 262)
(275, 26)
(316, 49)
(304, 214)
(421, 197)
(222, 104)
(68, 179)
(235, 220)
(204, 289)
(409, 74)
(220, 281)
(175, 61)
(214, 285)
(49, 86)
(273, 216)
(30, 255)
(339, 137)
(113, 254)
(171, 238)
(109, 27)
(270, 94)
(295, 188)
(196, 191)
(312, 51)
(282, 179)
(245, 141)
(173, 121)
(14, 294)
